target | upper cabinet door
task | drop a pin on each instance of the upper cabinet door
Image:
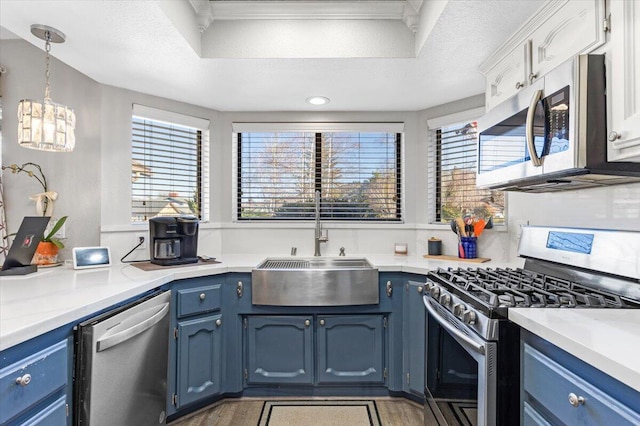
(624, 130)
(507, 77)
(558, 31)
(577, 27)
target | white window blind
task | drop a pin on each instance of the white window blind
(169, 166)
(456, 193)
(358, 175)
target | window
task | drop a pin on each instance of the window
(169, 165)
(358, 175)
(455, 179)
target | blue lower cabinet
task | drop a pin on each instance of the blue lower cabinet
(199, 359)
(351, 349)
(531, 417)
(279, 349)
(413, 342)
(558, 388)
(33, 382)
(54, 414)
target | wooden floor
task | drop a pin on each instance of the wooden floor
(246, 412)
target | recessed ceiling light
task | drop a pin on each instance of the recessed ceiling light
(318, 100)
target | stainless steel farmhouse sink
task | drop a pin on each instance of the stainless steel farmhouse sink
(314, 281)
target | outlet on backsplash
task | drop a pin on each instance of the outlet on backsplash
(140, 235)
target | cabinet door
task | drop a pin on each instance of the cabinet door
(279, 349)
(507, 77)
(577, 27)
(414, 314)
(567, 396)
(625, 81)
(350, 349)
(199, 358)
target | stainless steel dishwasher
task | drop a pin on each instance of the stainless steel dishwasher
(121, 365)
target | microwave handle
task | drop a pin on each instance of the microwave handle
(535, 160)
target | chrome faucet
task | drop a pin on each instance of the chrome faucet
(319, 238)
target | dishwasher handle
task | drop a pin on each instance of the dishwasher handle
(117, 338)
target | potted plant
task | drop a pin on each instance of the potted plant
(47, 250)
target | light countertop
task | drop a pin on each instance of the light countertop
(35, 304)
(608, 339)
(38, 303)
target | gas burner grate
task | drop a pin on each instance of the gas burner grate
(507, 287)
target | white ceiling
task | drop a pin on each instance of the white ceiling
(155, 47)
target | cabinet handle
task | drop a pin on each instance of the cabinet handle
(575, 400)
(218, 322)
(307, 323)
(532, 77)
(203, 296)
(321, 322)
(613, 136)
(420, 289)
(24, 380)
(239, 289)
(519, 85)
(389, 289)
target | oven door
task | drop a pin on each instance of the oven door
(460, 372)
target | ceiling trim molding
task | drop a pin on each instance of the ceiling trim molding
(411, 14)
(204, 13)
(406, 10)
(315, 10)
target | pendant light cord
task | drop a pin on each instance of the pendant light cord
(47, 48)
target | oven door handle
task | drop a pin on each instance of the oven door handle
(466, 340)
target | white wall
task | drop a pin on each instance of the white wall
(94, 180)
(356, 239)
(75, 176)
(614, 207)
(117, 230)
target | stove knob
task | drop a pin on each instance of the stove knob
(435, 291)
(458, 309)
(445, 299)
(427, 286)
(469, 317)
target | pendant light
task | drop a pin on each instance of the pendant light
(46, 125)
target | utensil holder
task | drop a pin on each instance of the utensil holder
(470, 247)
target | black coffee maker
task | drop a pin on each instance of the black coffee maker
(174, 240)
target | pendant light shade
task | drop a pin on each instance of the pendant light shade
(44, 124)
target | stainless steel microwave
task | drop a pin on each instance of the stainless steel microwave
(552, 135)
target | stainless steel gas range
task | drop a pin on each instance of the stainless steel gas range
(473, 357)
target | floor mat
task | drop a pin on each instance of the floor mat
(463, 413)
(319, 413)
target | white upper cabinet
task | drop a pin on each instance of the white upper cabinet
(558, 31)
(507, 76)
(624, 123)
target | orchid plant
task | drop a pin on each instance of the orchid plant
(44, 201)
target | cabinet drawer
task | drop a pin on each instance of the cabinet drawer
(550, 384)
(199, 300)
(42, 374)
(530, 417)
(54, 414)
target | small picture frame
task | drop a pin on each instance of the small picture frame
(401, 249)
(91, 257)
